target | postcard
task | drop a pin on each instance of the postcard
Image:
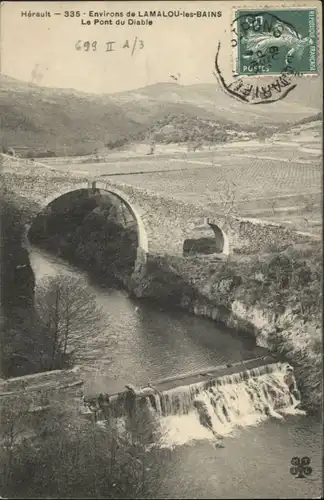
(161, 249)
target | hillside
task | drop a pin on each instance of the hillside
(62, 121)
(196, 131)
(305, 135)
(209, 98)
(68, 122)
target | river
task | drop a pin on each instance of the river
(143, 343)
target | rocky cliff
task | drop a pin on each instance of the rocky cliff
(18, 318)
(275, 298)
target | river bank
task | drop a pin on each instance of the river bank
(144, 343)
(275, 298)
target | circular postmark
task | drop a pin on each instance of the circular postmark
(268, 54)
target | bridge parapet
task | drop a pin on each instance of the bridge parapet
(164, 223)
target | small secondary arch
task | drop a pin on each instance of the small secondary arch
(222, 245)
(207, 239)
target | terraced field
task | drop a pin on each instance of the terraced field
(262, 181)
(254, 178)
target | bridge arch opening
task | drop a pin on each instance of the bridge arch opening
(100, 201)
(11, 152)
(211, 239)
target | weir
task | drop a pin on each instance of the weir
(217, 397)
(206, 404)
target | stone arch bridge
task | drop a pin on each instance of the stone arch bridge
(165, 225)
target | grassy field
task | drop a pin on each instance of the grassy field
(265, 181)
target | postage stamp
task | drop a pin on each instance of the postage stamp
(270, 42)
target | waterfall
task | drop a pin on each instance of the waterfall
(261, 389)
(215, 407)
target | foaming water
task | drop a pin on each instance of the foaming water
(215, 409)
(255, 464)
(152, 344)
(179, 430)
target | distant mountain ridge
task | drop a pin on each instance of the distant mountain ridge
(212, 99)
(70, 122)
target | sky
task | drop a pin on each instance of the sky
(171, 46)
(43, 49)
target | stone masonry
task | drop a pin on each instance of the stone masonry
(163, 223)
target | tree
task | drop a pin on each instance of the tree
(143, 433)
(152, 147)
(309, 203)
(33, 441)
(78, 459)
(13, 427)
(69, 313)
(273, 205)
(49, 450)
(196, 145)
(227, 197)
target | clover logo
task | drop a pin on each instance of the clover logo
(300, 467)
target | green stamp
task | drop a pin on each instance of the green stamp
(273, 42)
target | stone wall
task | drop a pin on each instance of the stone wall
(43, 389)
(166, 222)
